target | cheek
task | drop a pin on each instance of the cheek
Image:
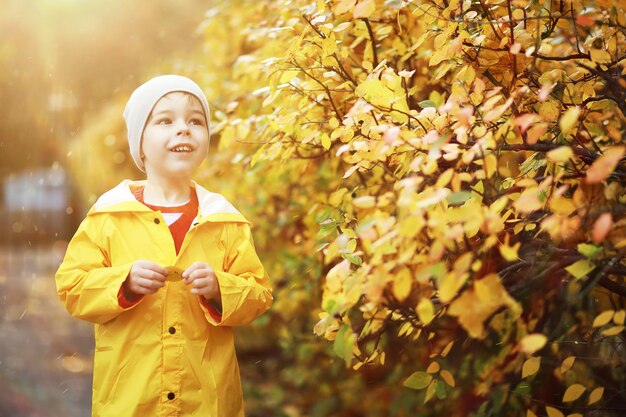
(203, 142)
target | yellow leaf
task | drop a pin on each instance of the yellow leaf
(336, 197)
(430, 392)
(619, 317)
(532, 343)
(451, 283)
(466, 74)
(560, 154)
(530, 366)
(604, 165)
(613, 331)
(553, 412)
(325, 141)
(490, 165)
(603, 318)
(425, 310)
(447, 376)
(287, 76)
(433, 367)
(402, 284)
(595, 395)
(364, 9)
(567, 364)
(329, 45)
(549, 110)
(569, 119)
(374, 91)
(580, 268)
(364, 202)
(476, 304)
(509, 253)
(518, 14)
(573, 392)
(529, 413)
(600, 56)
(344, 6)
(444, 178)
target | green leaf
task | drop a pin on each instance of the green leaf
(589, 250)
(353, 259)
(426, 103)
(418, 380)
(459, 197)
(344, 343)
(532, 163)
(440, 390)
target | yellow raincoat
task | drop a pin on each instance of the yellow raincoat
(166, 355)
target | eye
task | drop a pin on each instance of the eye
(163, 122)
(197, 121)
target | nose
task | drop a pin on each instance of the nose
(182, 129)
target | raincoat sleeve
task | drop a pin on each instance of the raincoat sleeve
(244, 285)
(86, 282)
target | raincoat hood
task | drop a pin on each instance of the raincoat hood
(212, 206)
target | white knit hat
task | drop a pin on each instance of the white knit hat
(142, 101)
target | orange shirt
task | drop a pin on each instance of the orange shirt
(178, 218)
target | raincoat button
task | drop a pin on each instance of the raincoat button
(156, 220)
(172, 330)
(171, 396)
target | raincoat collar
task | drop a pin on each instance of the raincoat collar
(212, 206)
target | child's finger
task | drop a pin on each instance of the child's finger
(198, 274)
(151, 266)
(194, 267)
(152, 274)
(150, 283)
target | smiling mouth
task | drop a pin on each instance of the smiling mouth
(182, 148)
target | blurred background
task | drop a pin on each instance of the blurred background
(62, 64)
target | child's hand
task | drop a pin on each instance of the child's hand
(202, 278)
(145, 277)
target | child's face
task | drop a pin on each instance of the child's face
(175, 139)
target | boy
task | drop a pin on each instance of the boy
(164, 269)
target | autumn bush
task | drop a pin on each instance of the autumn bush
(438, 192)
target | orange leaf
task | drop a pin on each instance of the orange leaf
(433, 368)
(573, 392)
(531, 366)
(553, 412)
(596, 395)
(601, 227)
(585, 20)
(604, 165)
(603, 318)
(447, 376)
(524, 121)
(567, 363)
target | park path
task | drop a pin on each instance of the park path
(45, 355)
